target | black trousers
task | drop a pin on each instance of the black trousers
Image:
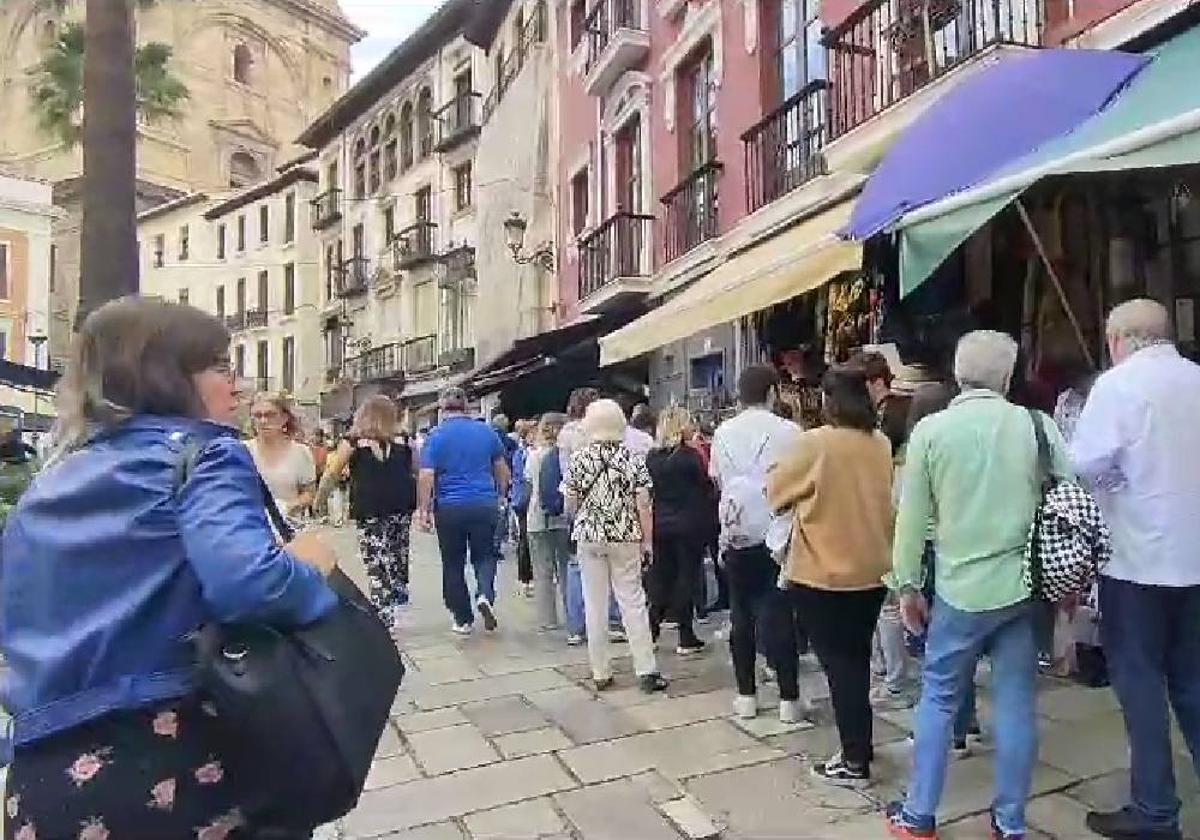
(840, 626)
(672, 583)
(758, 612)
(524, 561)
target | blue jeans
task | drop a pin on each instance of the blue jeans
(459, 528)
(956, 641)
(1151, 637)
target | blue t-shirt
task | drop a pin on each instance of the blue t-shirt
(461, 451)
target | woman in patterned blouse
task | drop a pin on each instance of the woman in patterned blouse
(607, 489)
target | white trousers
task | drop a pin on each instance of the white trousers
(618, 565)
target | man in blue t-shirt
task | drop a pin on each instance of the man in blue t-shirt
(464, 475)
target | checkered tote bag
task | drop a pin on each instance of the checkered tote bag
(1068, 541)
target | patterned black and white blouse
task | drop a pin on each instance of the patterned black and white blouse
(605, 478)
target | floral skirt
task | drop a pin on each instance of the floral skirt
(149, 774)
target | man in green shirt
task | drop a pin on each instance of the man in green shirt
(971, 471)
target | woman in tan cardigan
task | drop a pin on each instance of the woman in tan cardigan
(836, 482)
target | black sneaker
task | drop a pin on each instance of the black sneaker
(487, 613)
(602, 684)
(837, 771)
(650, 683)
(1125, 825)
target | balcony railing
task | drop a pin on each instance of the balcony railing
(785, 149)
(458, 121)
(533, 32)
(415, 245)
(691, 211)
(617, 248)
(605, 18)
(236, 321)
(886, 50)
(383, 362)
(354, 276)
(420, 354)
(256, 318)
(327, 209)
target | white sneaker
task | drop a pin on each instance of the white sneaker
(461, 629)
(745, 706)
(791, 711)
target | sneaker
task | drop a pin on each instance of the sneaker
(670, 625)
(462, 629)
(527, 590)
(1125, 825)
(885, 699)
(602, 683)
(575, 640)
(997, 834)
(901, 827)
(960, 749)
(617, 636)
(745, 706)
(650, 683)
(694, 649)
(791, 711)
(486, 612)
(836, 771)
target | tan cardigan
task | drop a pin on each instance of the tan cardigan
(838, 482)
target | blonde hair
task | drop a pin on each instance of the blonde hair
(674, 423)
(376, 419)
(283, 404)
(524, 429)
(1141, 322)
(549, 427)
(604, 421)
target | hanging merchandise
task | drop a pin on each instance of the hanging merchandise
(849, 324)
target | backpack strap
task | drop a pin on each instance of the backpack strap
(1045, 479)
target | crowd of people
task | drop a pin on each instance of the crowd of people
(892, 537)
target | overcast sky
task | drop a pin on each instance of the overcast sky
(387, 23)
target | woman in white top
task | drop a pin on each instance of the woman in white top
(285, 464)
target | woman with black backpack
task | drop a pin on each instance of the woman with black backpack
(383, 496)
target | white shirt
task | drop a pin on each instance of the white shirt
(289, 475)
(753, 441)
(1137, 445)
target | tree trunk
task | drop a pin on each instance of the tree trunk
(108, 258)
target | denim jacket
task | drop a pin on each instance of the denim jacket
(107, 567)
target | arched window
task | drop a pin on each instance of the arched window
(374, 137)
(406, 136)
(391, 159)
(374, 174)
(425, 122)
(243, 169)
(360, 168)
(242, 62)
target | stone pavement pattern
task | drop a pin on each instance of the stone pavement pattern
(500, 737)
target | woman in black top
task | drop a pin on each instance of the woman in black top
(383, 496)
(680, 512)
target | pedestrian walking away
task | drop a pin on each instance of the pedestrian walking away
(109, 739)
(1137, 446)
(608, 490)
(518, 502)
(549, 534)
(836, 482)
(383, 496)
(463, 479)
(972, 470)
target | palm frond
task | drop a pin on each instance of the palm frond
(159, 93)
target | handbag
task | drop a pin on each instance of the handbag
(299, 713)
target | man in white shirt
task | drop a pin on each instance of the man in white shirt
(1137, 445)
(743, 449)
(639, 434)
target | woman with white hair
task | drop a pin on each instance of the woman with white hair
(607, 489)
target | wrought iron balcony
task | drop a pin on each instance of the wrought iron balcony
(327, 209)
(236, 321)
(256, 318)
(419, 355)
(785, 149)
(414, 246)
(353, 276)
(886, 50)
(691, 211)
(458, 121)
(383, 362)
(617, 41)
(614, 260)
(533, 32)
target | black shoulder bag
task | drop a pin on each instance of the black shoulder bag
(299, 712)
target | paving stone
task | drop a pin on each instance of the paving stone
(768, 725)
(978, 827)
(535, 741)
(503, 715)
(690, 818)
(615, 811)
(678, 711)
(456, 794)
(424, 721)
(448, 669)
(391, 771)
(676, 753)
(822, 741)
(389, 743)
(1091, 747)
(453, 694)
(454, 748)
(1072, 704)
(441, 831)
(582, 716)
(523, 821)
(1057, 815)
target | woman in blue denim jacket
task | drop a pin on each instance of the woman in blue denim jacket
(111, 560)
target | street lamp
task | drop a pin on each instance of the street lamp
(37, 340)
(515, 227)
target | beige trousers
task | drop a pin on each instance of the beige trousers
(618, 565)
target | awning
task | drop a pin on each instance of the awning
(1003, 111)
(526, 355)
(1154, 122)
(796, 261)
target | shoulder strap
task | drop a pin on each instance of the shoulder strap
(1043, 449)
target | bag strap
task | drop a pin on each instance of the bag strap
(1043, 450)
(595, 480)
(1036, 572)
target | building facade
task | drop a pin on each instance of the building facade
(258, 72)
(247, 257)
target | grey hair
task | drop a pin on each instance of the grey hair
(985, 359)
(1140, 323)
(453, 399)
(604, 421)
